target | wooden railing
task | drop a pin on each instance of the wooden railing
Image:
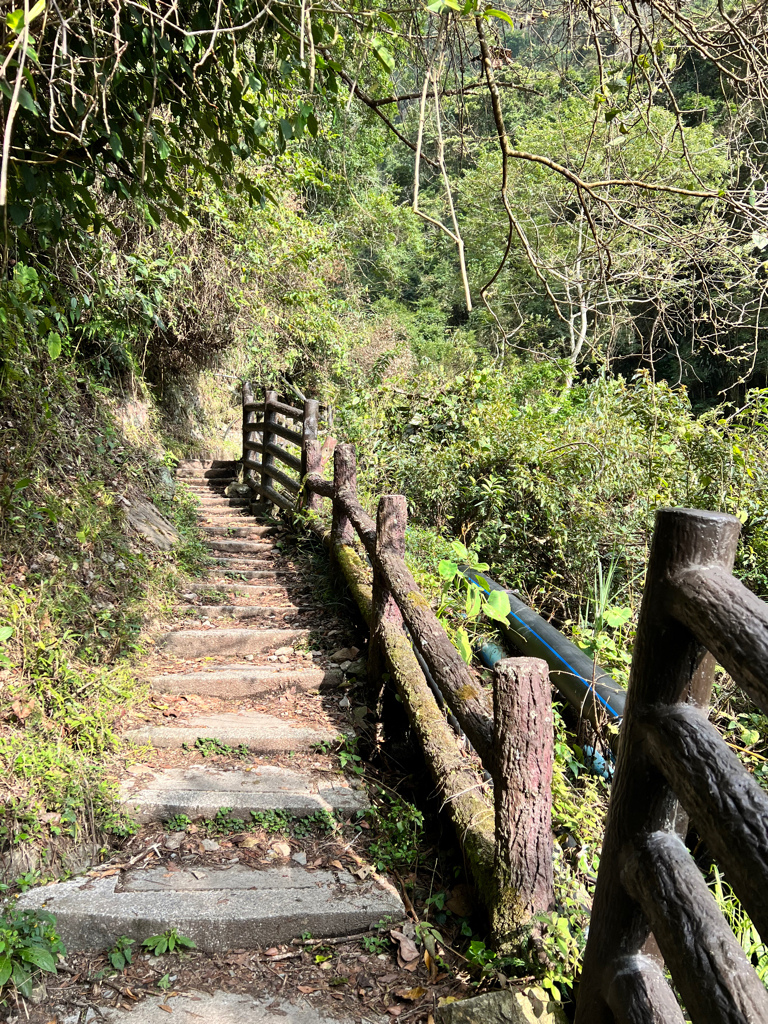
(652, 900)
(652, 905)
(511, 867)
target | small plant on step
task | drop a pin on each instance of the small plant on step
(348, 756)
(178, 823)
(399, 826)
(209, 745)
(168, 942)
(121, 955)
(29, 944)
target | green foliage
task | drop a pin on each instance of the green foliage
(755, 950)
(209, 746)
(29, 944)
(121, 955)
(169, 942)
(398, 829)
(177, 823)
(495, 606)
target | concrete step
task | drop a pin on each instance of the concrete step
(263, 734)
(274, 572)
(196, 1005)
(200, 792)
(201, 643)
(212, 500)
(220, 908)
(245, 680)
(242, 611)
(206, 473)
(228, 587)
(243, 532)
(201, 465)
(241, 547)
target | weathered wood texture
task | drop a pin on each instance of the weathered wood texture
(249, 437)
(730, 620)
(728, 808)
(272, 427)
(270, 494)
(282, 408)
(268, 441)
(344, 479)
(716, 981)
(309, 434)
(391, 519)
(670, 666)
(522, 776)
(637, 993)
(277, 452)
(312, 457)
(289, 482)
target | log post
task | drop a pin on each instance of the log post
(249, 417)
(270, 416)
(669, 666)
(310, 451)
(344, 479)
(524, 746)
(391, 519)
(311, 459)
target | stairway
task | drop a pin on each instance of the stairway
(241, 638)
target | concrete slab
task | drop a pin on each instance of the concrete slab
(230, 587)
(200, 792)
(199, 643)
(241, 547)
(239, 531)
(243, 611)
(261, 733)
(222, 879)
(229, 571)
(245, 682)
(92, 913)
(224, 1008)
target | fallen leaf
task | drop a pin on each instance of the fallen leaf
(395, 1011)
(308, 988)
(411, 995)
(460, 902)
(167, 1009)
(337, 864)
(407, 950)
(281, 849)
(273, 951)
(249, 843)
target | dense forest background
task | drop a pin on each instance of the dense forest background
(521, 251)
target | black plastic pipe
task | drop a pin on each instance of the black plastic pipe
(586, 686)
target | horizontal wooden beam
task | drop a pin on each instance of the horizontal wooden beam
(320, 485)
(277, 428)
(285, 410)
(729, 809)
(730, 621)
(282, 478)
(276, 451)
(253, 406)
(275, 497)
(716, 981)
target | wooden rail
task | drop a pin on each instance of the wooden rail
(652, 905)
(513, 885)
(651, 899)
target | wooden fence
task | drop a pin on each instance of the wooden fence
(652, 901)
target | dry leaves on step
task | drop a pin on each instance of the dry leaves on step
(411, 995)
(23, 711)
(407, 953)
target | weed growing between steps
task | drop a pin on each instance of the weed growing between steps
(76, 592)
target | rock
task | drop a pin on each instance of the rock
(238, 491)
(146, 519)
(357, 668)
(344, 702)
(174, 841)
(345, 654)
(38, 995)
(509, 1006)
(166, 483)
(281, 850)
(300, 858)
(284, 650)
(210, 845)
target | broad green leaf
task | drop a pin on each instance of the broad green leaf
(40, 958)
(383, 54)
(497, 606)
(493, 13)
(116, 145)
(462, 641)
(616, 617)
(26, 101)
(6, 632)
(5, 969)
(459, 550)
(447, 569)
(473, 603)
(54, 345)
(182, 940)
(389, 20)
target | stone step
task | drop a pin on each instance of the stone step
(275, 572)
(196, 1005)
(245, 680)
(212, 500)
(200, 465)
(244, 532)
(243, 547)
(228, 587)
(200, 473)
(220, 908)
(263, 734)
(200, 643)
(200, 792)
(242, 611)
